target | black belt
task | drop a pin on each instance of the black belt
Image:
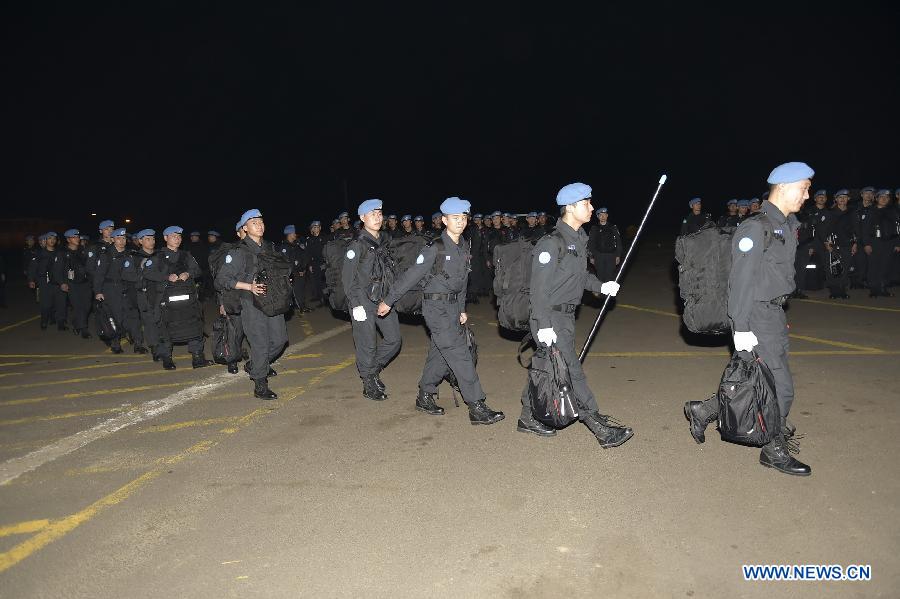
(779, 301)
(441, 297)
(565, 308)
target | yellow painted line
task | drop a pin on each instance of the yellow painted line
(107, 354)
(19, 402)
(156, 368)
(843, 305)
(18, 324)
(307, 327)
(13, 364)
(650, 310)
(176, 426)
(301, 356)
(22, 528)
(46, 417)
(108, 377)
(56, 529)
(873, 350)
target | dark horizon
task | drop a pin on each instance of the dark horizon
(165, 116)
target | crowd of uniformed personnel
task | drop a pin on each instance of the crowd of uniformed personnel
(840, 246)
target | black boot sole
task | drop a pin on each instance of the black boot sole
(619, 442)
(494, 420)
(430, 412)
(690, 417)
(522, 428)
(783, 471)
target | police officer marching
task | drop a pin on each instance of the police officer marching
(444, 265)
(115, 280)
(363, 280)
(267, 335)
(294, 252)
(840, 247)
(315, 246)
(46, 274)
(605, 246)
(169, 266)
(760, 282)
(731, 217)
(881, 242)
(559, 277)
(77, 285)
(406, 226)
(697, 219)
(148, 291)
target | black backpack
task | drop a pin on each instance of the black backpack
(704, 263)
(404, 255)
(231, 298)
(550, 388)
(748, 409)
(274, 270)
(512, 281)
(333, 254)
(181, 311)
(225, 347)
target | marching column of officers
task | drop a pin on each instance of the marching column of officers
(838, 247)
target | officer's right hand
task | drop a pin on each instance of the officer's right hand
(99, 297)
(383, 309)
(222, 310)
(31, 285)
(173, 277)
(359, 314)
(868, 249)
(745, 341)
(547, 336)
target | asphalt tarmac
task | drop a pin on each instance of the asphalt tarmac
(124, 480)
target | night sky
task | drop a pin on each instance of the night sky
(166, 113)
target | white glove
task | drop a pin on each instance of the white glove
(745, 341)
(359, 314)
(547, 336)
(610, 288)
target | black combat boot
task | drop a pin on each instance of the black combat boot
(61, 326)
(380, 383)
(140, 349)
(116, 346)
(168, 363)
(248, 367)
(426, 402)
(200, 361)
(261, 389)
(480, 413)
(156, 357)
(85, 334)
(371, 390)
(701, 414)
(775, 454)
(787, 428)
(606, 429)
(528, 424)
(232, 368)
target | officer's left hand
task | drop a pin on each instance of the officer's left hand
(610, 288)
(617, 260)
(184, 276)
(383, 309)
(173, 277)
(463, 318)
(64, 287)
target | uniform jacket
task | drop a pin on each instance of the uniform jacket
(449, 275)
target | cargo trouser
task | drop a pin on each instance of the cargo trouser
(372, 357)
(267, 336)
(448, 351)
(769, 323)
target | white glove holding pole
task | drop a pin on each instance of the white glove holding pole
(359, 314)
(547, 336)
(745, 341)
(610, 288)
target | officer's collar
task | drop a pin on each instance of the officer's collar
(564, 228)
(773, 212)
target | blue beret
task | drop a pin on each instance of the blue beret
(393, 216)
(253, 213)
(290, 229)
(842, 192)
(368, 206)
(42, 237)
(214, 233)
(731, 202)
(477, 215)
(436, 215)
(507, 215)
(237, 226)
(743, 203)
(419, 218)
(29, 236)
(790, 172)
(336, 221)
(72, 233)
(868, 188)
(454, 205)
(145, 233)
(106, 223)
(694, 201)
(602, 211)
(49, 234)
(754, 200)
(343, 215)
(120, 232)
(883, 192)
(530, 214)
(573, 192)
(821, 192)
(542, 213)
(495, 213)
(197, 233)
(406, 217)
(172, 229)
(315, 223)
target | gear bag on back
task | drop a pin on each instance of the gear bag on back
(404, 251)
(230, 298)
(704, 263)
(333, 254)
(274, 270)
(512, 281)
(748, 407)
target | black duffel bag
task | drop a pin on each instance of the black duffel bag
(107, 327)
(550, 388)
(748, 406)
(225, 347)
(181, 315)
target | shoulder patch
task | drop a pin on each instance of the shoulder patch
(148, 262)
(351, 254)
(745, 244)
(544, 257)
(284, 250)
(228, 259)
(420, 259)
(127, 264)
(90, 254)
